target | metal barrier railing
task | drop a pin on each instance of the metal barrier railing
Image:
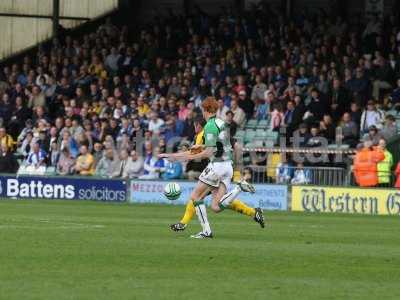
(329, 176)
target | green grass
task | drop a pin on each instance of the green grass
(86, 250)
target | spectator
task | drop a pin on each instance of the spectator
(395, 96)
(97, 153)
(153, 166)
(316, 109)
(65, 163)
(365, 165)
(349, 131)
(135, 165)
(259, 90)
(6, 139)
(384, 167)
(107, 165)
(389, 129)
(35, 163)
(276, 117)
(382, 73)
(8, 162)
(355, 113)
(246, 104)
(155, 123)
(301, 175)
(284, 171)
(123, 165)
(373, 136)
(239, 116)
(301, 136)
(54, 155)
(36, 98)
(371, 117)
(84, 164)
(173, 170)
(397, 173)
(222, 110)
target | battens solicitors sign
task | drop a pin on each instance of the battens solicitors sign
(63, 188)
(346, 200)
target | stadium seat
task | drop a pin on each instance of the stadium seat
(249, 136)
(263, 124)
(252, 124)
(269, 144)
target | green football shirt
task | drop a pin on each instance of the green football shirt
(216, 136)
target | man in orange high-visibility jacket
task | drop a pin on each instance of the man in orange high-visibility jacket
(365, 165)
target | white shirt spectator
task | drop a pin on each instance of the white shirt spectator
(221, 112)
(371, 118)
(155, 125)
(238, 116)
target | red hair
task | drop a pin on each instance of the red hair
(210, 105)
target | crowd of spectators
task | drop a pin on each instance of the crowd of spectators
(106, 103)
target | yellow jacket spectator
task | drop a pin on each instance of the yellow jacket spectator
(384, 167)
(85, 164)
(142, 107)
(6, 139)
(97, 68)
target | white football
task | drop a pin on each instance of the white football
(172, 191)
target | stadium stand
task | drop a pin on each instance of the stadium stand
(333, 82)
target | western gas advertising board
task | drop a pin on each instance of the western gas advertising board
(346, 200)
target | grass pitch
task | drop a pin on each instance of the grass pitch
(87, 250)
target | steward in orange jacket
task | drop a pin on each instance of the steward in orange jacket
(365, 165)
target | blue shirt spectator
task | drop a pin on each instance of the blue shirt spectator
(173, 170)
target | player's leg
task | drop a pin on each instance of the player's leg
(198, 194)
(223, 200)
(190, 211)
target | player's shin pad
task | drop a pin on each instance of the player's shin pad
(227, 199)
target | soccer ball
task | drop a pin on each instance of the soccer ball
(172, 191)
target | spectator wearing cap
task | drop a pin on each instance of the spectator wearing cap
(371, 116)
